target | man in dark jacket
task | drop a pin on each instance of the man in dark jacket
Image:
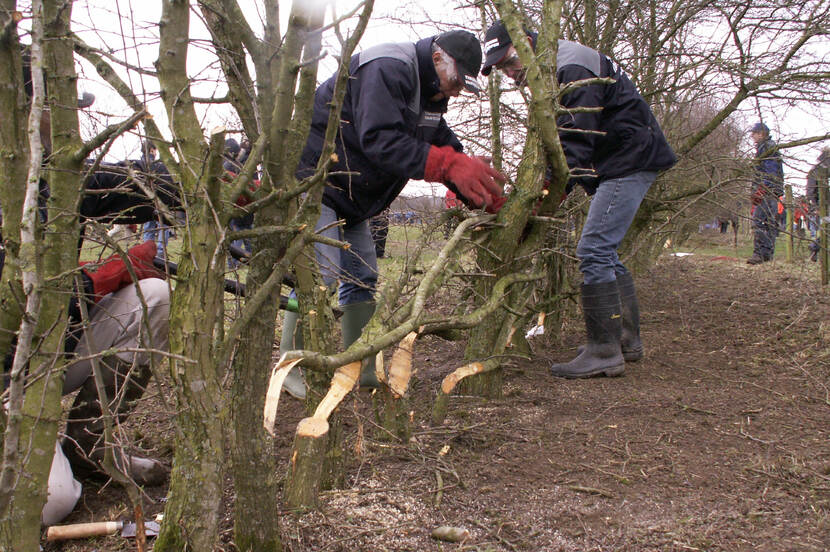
(622, 144)
(153, 170)
(392, 130)
(767, 187)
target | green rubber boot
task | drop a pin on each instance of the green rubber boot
(290, 340)
(355, 317)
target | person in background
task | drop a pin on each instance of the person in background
(767, 187)
(816, 177)
(625, 147)
(235, 156)
(154, 230)
(392, 130)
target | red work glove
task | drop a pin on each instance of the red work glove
(475, 180)
(496, 205)
(245, 197)
(757, 196)
(113, 275)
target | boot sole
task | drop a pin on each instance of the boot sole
(629, 355)
(611, 372)
(632, 355)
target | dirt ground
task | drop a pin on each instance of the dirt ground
(718, 440)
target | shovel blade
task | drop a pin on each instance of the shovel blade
(151, 529)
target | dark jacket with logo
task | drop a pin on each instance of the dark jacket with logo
(386, 128)
(632, 139)
(769, 170)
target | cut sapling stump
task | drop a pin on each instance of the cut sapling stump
(310, 442)
(306, 466)
(396, 419)
(400, 368)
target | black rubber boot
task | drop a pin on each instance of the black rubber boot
(603, 322)
(630, 342)
(84, 446)
(355, 317)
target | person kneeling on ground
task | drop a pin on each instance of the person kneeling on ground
(116, 323)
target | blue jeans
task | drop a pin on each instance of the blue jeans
(152, 229)
(765, 224)
(611, 212)
(356, 268)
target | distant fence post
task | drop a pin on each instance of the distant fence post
(788, 216)
(824, 226)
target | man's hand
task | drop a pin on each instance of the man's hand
(475, 179)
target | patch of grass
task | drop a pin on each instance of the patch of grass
(715, 244)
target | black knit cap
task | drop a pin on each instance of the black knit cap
(496, 44)
(464, 48)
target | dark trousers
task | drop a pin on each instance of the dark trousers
(765, 225)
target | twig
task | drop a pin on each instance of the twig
(591, 490)
(757, 440)
(621, 478)
(495, 534)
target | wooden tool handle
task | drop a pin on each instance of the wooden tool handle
(81, 530)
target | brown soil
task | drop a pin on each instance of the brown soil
(718, 440)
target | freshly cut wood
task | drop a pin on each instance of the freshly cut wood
(380, 372)
(509, 342)
(439, 408)
(312, 428)
(343, 381)
(272, 397)
(452, 380)
(400, 367)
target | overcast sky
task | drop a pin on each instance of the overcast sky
(104, 23)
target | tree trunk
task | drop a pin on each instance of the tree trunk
(192, 514)
(14, 164)
(49, 257)
(498, 258)
(191, 517)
